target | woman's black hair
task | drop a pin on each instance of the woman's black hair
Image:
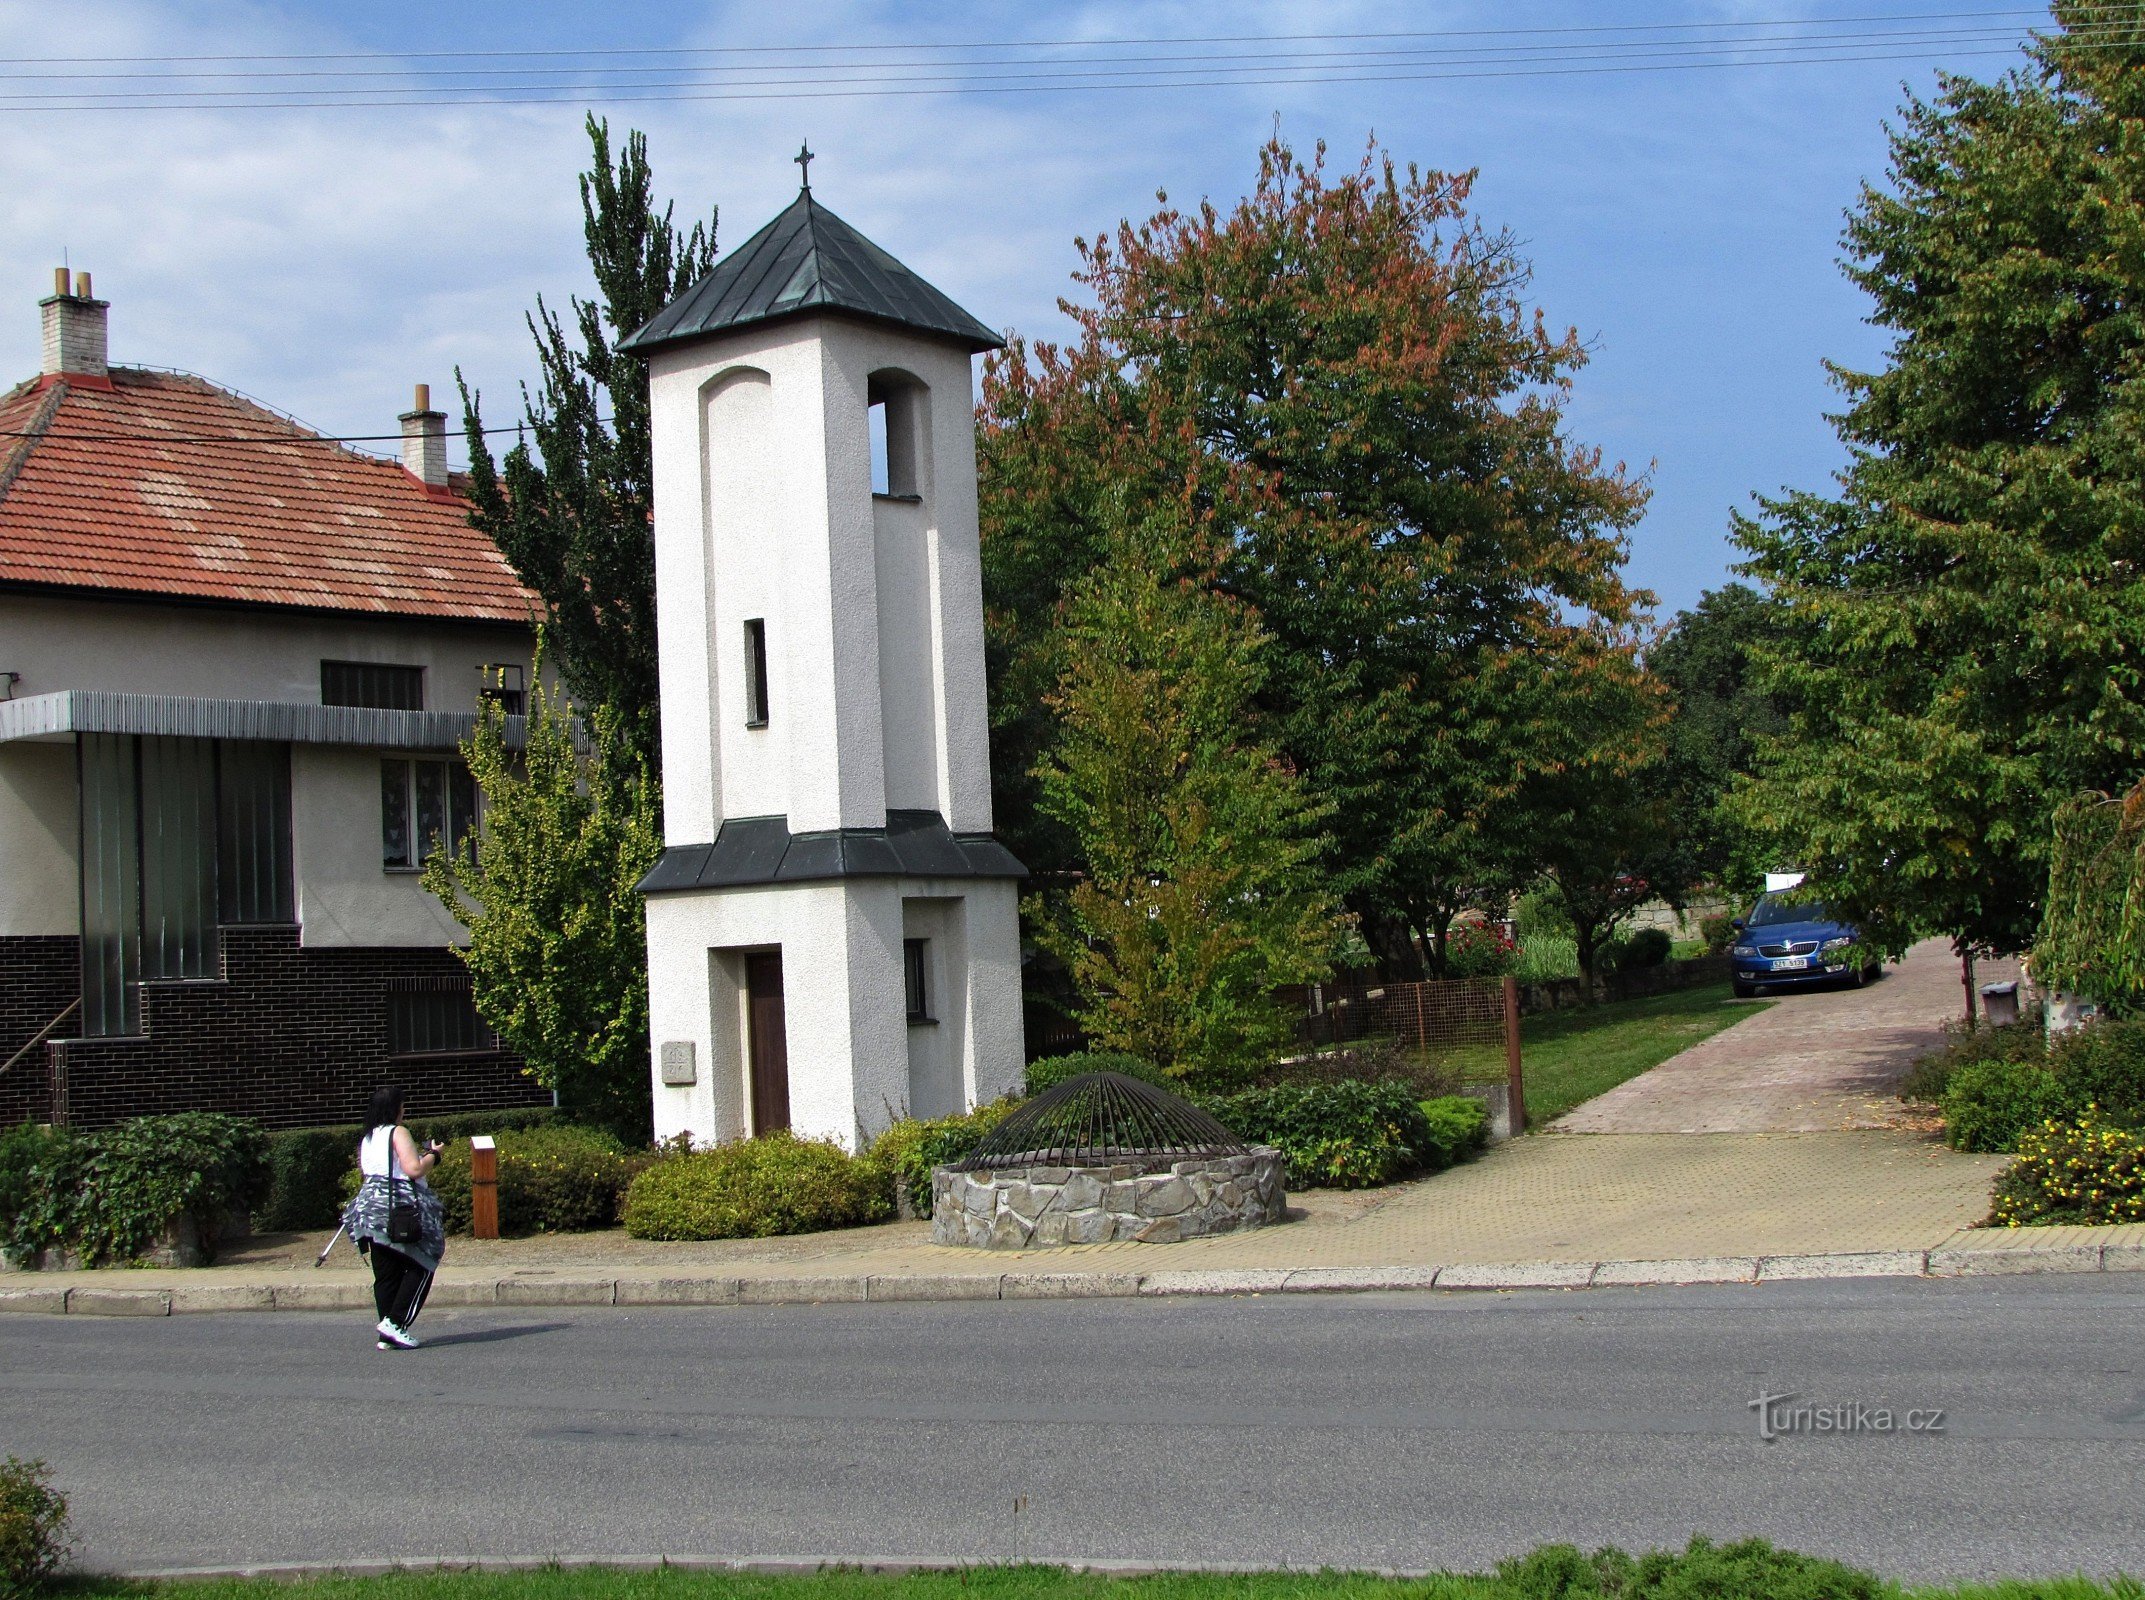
(386, 1107)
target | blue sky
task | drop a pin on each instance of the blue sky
(1686, 223)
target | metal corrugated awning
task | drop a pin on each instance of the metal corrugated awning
(72, 711)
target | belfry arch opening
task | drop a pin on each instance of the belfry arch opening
(897, 401)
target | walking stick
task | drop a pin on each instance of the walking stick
(330, 1245)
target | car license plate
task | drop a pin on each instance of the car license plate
(1791, 963)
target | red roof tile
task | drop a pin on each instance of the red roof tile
(121, 493)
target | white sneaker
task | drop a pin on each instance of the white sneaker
(400, 1338)
(381, 1327)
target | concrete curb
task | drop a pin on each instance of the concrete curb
(546, 1289)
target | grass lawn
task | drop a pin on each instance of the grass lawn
(1022, 1583)
(1571, 1056)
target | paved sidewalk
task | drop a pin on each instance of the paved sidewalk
(1822, 1061)
(1539, 1210)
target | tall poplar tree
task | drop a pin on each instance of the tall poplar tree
(572, 505)
(1967, 645)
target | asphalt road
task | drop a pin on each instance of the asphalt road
(1394, 1431)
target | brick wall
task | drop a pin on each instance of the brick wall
(38, 977)
(291, 1037)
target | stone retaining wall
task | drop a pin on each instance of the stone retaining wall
(1018, 1208)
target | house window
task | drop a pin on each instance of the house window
(179, 838)
(755, 672)
(435, 1017)
(915, 970)
(372, 685)
(424, 804)
(504, 686)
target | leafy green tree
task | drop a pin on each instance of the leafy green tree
(571, 507)
(1721, 714)
(1339, 392)
(1202, 893)
(2092, 935)
(1603, 816)
(558, 949)
(1969, 628)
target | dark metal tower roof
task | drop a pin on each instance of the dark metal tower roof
(808, 260)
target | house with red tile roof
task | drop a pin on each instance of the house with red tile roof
(237, 659)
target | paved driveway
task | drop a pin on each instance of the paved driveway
(1824, 1061)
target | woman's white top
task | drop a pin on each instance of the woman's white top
(373, 1153)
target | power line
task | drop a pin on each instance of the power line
(600, 96)
(1515, 53)
(1059, 44)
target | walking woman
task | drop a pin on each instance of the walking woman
(396, 1220)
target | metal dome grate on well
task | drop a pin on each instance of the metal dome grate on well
(1102, 1119)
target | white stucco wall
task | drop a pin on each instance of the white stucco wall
(234, 653)
(764, 508)
(346, 898)
(40, 845)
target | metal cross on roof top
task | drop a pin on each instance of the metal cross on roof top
(804, 159)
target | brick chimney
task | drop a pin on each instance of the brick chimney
(74, 328)
(424, 441)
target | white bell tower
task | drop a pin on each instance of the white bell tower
(833, 938)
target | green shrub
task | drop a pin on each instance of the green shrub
(902, 1158)
(2086, 1171)
(1374, 1060)
(1051, 1071)
(111, 1193)
(2102, 1065)
(1459, 1125)
(1717, 932)
(1647, 947)
(1546, 957)
(1346, 1135)
(756, 1189)
(558, 1179)
(1479, 950)
(1750, 1569)
(1989, 1104)
(1540, 912)
(1931, 1074)
(33, 1528)
(308, 1168)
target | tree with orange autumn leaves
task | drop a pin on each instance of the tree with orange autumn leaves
(1338, 392)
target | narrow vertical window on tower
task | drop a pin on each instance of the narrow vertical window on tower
(755, 672)
(895, 400)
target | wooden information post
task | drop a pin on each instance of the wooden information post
(484, 1187)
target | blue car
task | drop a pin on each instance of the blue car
(1786, 942)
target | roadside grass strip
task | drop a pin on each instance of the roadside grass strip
(1772, 1575)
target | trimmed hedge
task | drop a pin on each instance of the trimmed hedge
(308, 1167)
(1459, 1127)
(110, 1193)
(1931, 1074)
(903, 1157)
(1345, 1135)
(756, 1189)
(2001, 1082)
(557, 1179)
(1989, 1104)
(2082, 1172)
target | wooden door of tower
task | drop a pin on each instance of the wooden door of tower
(768, 1045)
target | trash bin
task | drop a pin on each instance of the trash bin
(1999, 1003)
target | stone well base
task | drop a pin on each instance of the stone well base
(1018, 1208)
